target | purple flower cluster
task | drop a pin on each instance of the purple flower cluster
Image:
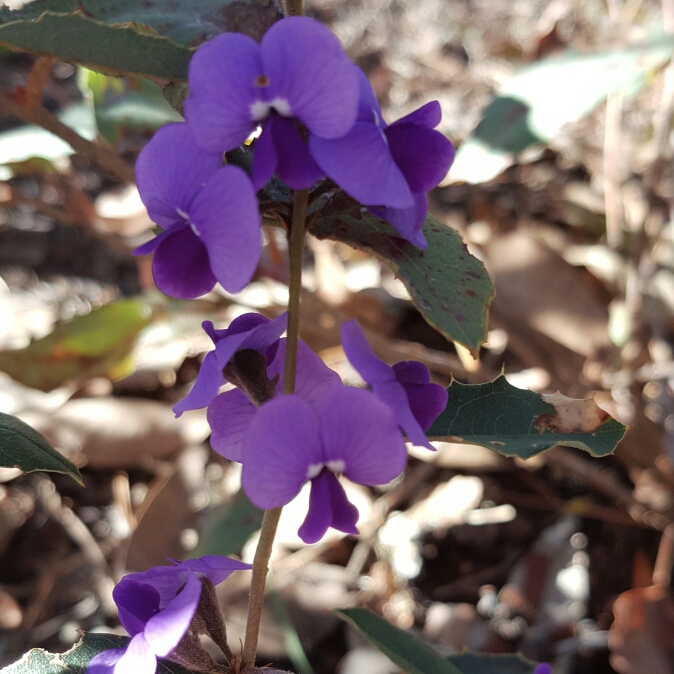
(319, 116)
(157, 607)
(324, 430)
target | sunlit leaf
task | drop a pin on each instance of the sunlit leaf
(23, 447)
(515, 422)
(97, 344)
(449, 286)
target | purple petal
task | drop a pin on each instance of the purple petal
(369, 109)
(394, 395)
(423, 155)
(543, 668)
(328, 507)
(170, 172)
(104, 662)
(226, 217)
(308, 69)
(427, 402)
(407, 221)
(137, 659)
(313, 376)
(265, 159)
(279, 446)
(243, 323)
(153, 244)
(164, 631)
(222, 75)
(362, 165)
(362, 357)
(428, 116)
(411, 372)
(295, 165)
(137, 603)
(205, 388)
(214, 567)
(360, 431)
(167, 580)
(229, 415)
(264, 335)
(181, 267)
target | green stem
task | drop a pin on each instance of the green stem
(271, 517)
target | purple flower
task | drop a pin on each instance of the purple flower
(298, 73)
(209, 214)
(250, 331)
(290, 441)
(405, 387)
(230, 414)
(543, 668)
(389, 168)
(156, 608)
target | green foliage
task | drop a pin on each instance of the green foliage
(126, 36)
(94, 345)
(447, 284)
(515, 422)
(23, 447)
(415, 657)
(229, 526)
(541, 98)
(76, 660)
(130, 103)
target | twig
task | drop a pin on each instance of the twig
(101, 156)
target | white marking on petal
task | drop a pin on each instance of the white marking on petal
(186, 218)
(337, 466)
(259, 110)
(314, 470)
(281, 106)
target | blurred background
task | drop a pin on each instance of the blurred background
(563, 185)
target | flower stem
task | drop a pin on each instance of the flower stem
(293, 7)
(271, 517)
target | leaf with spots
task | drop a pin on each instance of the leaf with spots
(515, 422)
(153, 38)
(76, 660)
(449, 286)
(23, 447)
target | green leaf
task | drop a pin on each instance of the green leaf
(540, 99)
(76, 660)
(415, 657)
(406, 651)
(119, 104)
(515, 422)
(97, 344)
(229, 526)
(150, 38)
(23, 447)
(449, 286)
(479, 663)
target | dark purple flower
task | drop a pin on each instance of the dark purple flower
(406, 387)
(290, 441)
(209, 214)
(156, 608)
(250, 331)
(298, 73)
(389, 168)
(230, 414)
(543, 668)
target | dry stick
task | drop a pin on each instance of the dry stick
(293, 7)
(271, 517)
(101, 156)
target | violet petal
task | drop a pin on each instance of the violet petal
(181, 266)
(222, 75)
(205, 388)
(214, 567)
(427, 116)
(407, 221)
(360, 432)
(170, 171)
(104, 662)
(229, 415)
(137, 659)
(226, 217)
(427, 402)
(295, 167)
(362, 357)
(344, 513)
(265, 158)
(309, 71)
(423, 155)
(319, 515)
(280, 445)
(411, 372)
(136, 602)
